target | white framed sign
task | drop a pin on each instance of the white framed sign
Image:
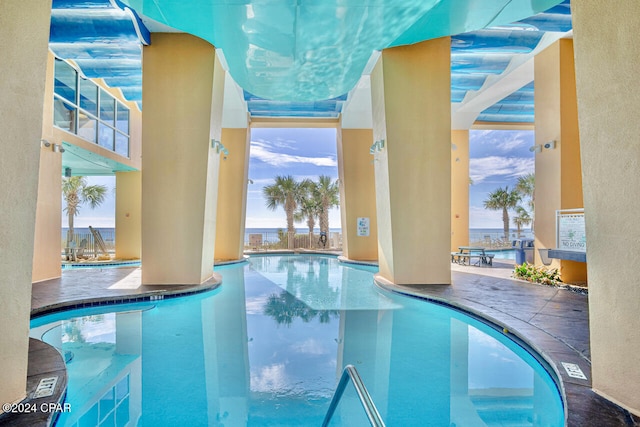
(363, 226)
(571, 233)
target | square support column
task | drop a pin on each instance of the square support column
(182, 98)
(411, 98)
(558, 171)
(459, 189)
(357, 194)
(128, 215)
(232, 195)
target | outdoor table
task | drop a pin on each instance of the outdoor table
(466, 253)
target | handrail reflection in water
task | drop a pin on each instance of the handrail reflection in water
(350, 372)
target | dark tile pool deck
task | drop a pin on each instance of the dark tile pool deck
(552, 321)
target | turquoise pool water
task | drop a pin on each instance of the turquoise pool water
(504, 254)
(268, 346)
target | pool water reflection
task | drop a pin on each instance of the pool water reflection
(268, 347)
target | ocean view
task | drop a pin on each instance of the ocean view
(475, 234)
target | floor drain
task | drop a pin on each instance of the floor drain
(45, 387)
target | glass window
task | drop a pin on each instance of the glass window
(65, 81)
(88, 96)
(105, 137)
(122, 144)
(122, 118)
(64, 115)
(107, 108)
(87, 127)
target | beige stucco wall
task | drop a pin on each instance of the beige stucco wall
(357, 193)
(232, 195)
(47, 239)
(25, 35)
(410, 93)
(128, 215)
(607, 52)
(459, 188)
(558, 171)
(179, 179)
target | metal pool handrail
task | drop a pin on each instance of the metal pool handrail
(350, 372)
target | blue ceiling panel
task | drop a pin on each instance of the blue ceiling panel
(104, 38)
(467, 81)
(472, 63)
(497, 40)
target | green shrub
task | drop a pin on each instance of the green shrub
(535, 274)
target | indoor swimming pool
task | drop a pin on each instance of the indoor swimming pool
(267, 349)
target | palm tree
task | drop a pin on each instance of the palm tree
(526, 187)
(285, 192)
(77, 192)
(522, 218)
(309, 208)
(503, 199)
(327, 193)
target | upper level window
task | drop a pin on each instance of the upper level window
(89, 111)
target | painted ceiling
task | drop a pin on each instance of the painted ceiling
(303, 58)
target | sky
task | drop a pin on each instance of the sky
(497, 159)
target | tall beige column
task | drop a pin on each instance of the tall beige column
(128, 215)
(459, 189)
(24, 32)
(48, 237)
(357, 195)
(607, 52)
(182, 99)
(232, 195)
(410, 92)
(558, 170)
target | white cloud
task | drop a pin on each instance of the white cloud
(263, 152)
(310, 346)
(506, 167)
(269, 378)
(501, 140)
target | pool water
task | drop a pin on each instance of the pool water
(267, 349)
(503, 254)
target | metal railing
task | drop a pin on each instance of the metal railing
(350, 373)
(273, 240)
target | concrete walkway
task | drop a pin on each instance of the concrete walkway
(552, 321)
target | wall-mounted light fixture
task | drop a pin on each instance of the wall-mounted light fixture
(550, 145)
(376, 146)
(56, 148)
(536, 148)
(219, 147)
(67, 172)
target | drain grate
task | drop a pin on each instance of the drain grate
(45, 387)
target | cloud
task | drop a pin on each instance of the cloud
(264, 153)
(503, 167)
(310, 346)
(278, 142)
(269, 378)
(502, 141)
